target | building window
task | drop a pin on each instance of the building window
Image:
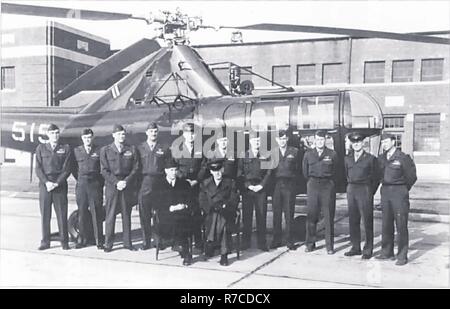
(8, 78)
(306, 74)
(395, 122)
(396, 126)
(333, 73)
(402, 71)
(246, 75)
(427, 133)
(374, 72)
(432, 69)
(281, 74)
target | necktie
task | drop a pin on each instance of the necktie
(119, 148)
(88, 149)
(152, 146)
(53, 146)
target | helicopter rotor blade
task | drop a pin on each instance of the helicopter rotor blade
(58, 12)
(110, 66)
(345, 31)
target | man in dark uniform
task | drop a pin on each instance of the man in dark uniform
(152, 154)
(361, 169)
(221, 151)
(190, 165)
(120, 165)
(89, 189)
(319, 167)
(255, 180)
(283, 199)
(53, 167)
(174, 209)
(398, 175)
(219, 199)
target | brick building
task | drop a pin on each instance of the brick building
(410, 81)
(37, 62)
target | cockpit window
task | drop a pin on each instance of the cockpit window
(317, 112)
(360, 112)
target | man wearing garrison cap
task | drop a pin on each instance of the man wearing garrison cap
(190, 168)
(283, 199)
(361, 170)
(397, 175)
(53, 167)
(120, 165)
(319, 168)
(254, 180)
(89, 189)
(152, 154)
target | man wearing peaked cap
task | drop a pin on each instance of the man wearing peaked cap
(361, 170)
(89, 189)
(218, 199)
(53, 167)
(152, 154)
(173, 206)
(397, 175)
(119, 166)
(319, 167)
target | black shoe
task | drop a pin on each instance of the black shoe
(366, 256)
(100, 247)
(131, 248)
(43, 247)
(385, 257)
(292, 247)
(330, 251)
(275, 244)
(107, 249)
(401, 262)
(187, 260)
(310, 248)
(352, 252)
(79, 246)
(224, 260)
(65, 246)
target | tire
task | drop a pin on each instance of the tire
(73, 226)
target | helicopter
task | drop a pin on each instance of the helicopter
(170, 83)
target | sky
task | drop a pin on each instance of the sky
(395, 16)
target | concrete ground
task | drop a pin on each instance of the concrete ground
(22, 265)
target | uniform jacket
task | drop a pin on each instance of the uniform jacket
(53, 165)
(250, 171)
(399, 169)
(117, 165)
(289, 165)
(213, 198)
(87, 165)
(152, 161)
(363, 171)
(190, 165)
(229, 163)
(324, 166)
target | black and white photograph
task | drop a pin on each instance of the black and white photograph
(228, 145)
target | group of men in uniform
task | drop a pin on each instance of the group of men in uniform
(184, 190)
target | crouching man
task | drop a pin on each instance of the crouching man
(218, 199)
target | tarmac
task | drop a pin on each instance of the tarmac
(22, 265)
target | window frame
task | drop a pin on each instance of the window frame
(421, 69)
(281, 66)
(434, 152)
(313, 65)
(341, 64)
(3, 78)
(365, 71)
(404, 61)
